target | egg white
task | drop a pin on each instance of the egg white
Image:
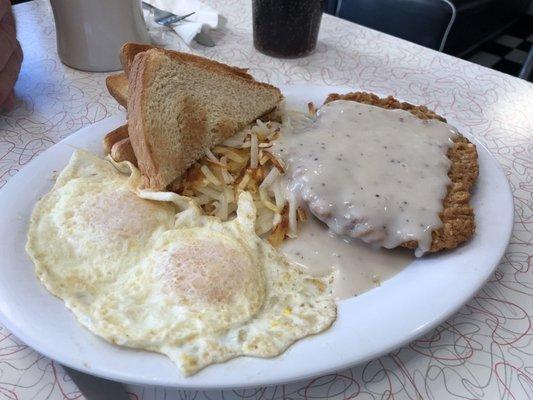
(90, 229)
(158, 275)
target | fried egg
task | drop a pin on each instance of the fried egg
(147, 270)
(90, 228)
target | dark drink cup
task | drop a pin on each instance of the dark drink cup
(286, 28)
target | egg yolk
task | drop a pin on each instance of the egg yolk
(120, 214)
(214, 273)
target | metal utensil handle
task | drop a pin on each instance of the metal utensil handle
(94, 388)
(148, 5)
(172, 19)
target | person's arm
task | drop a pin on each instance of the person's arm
(10, 55)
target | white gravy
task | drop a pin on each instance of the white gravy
(367, 172)
(357, 266)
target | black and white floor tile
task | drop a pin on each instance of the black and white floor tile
(508, 52)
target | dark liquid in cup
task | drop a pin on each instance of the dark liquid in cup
(286, 28)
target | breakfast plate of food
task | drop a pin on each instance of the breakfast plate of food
(227, 233)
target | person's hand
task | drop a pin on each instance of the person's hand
(10, 55)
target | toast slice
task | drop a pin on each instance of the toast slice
(179, 105)
(130, 50)
(117, 85)
(122, 151)
(128, 53)
(457, 215)
(115, 136)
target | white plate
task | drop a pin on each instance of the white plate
(403, 308)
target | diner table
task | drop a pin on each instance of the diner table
(484, 351)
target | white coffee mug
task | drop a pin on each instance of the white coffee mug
(91, 32)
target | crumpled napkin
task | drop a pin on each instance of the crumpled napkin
(203, 19)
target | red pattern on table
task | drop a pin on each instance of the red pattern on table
(484, 351)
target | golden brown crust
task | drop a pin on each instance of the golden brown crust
(117, 85)
(128, 51)
(389, 102)
(122, 151)
(114, 136)
(217, 67)
(137, 80)
(457, 216)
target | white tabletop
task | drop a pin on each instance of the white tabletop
(485, 351)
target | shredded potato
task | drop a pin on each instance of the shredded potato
(243, 163)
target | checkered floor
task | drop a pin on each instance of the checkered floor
(508, 52)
